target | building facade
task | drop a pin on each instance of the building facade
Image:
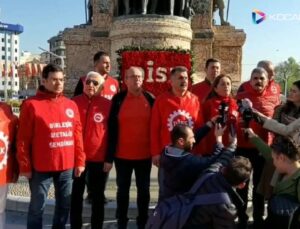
(9, 58)
(57, 46)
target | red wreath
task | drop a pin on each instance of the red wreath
(157, 66)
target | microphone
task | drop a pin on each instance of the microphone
(223, 110)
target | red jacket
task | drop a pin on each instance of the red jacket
(265, 103)
(50, 134)
(110, 86)
(8, 127)
(210, 110)
(94, 114)
(169, 110)
(202, 90)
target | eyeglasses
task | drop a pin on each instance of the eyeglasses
(94, 82)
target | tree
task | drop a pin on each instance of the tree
(287, 72)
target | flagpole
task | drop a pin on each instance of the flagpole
(228, 4)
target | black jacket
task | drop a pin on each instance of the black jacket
(113, 123)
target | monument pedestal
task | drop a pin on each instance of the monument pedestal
(110, 33)
(149, 31)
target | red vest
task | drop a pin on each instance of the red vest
(8, 125)
(210, 110)
(169, 110)
(50, 135)
(265, 103)
(94, 114)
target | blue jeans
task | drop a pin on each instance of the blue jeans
(39, 186)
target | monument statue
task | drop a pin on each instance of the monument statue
(219, 5)
(166, 7)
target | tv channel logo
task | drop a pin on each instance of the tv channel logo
(258, 16)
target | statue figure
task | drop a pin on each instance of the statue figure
(90, 12)
(219, 4)
(132, 7)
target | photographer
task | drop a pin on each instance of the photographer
(263, 101)
(220, 102)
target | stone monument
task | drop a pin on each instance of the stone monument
(187, 24)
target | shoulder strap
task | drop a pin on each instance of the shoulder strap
(199, 182)
(212, 198)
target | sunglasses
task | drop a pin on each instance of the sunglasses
(94, 82)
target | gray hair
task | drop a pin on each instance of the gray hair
(260, 71)
(93, 73)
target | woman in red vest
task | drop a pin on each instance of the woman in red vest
(8, 163)
(220, 102)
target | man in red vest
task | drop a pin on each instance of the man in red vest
(263, 100)
(212, 70)
(176, 106)
(8, 163)
(50, 147)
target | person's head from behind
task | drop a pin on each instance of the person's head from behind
(268, 66)
(53, 78)
(285, 153)
(238, 172)
(93, 84)
(259, 79)
(102, 63)
(134, 79)
(182, 137)
(212, 69)
(179, 80)
(294, 93)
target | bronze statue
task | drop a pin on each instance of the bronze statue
(219, 4)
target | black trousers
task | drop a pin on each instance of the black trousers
(258, 201)
(95, 178)
(124, 169)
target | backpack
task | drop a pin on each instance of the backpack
(173, 212)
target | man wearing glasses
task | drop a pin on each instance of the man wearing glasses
(50, 147)
(94, 111)
(129, 145)
(102, 66)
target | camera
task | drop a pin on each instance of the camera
(223, 112)
(245, 108)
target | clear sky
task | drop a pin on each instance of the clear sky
(272, 39)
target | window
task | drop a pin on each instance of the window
(16, 75)
(2, 39)
(3, 57)
(16, 42)
(16, 83)
(16, 50)
(16, 58)
(3, 48)
(8, 40)
(9, 83)
(3, 83)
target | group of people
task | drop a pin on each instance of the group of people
(185, 132)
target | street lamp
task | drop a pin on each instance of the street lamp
(62, 65)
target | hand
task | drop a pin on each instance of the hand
(28, 175)
(156, 160)
(107, 167)
(232, 139)
(215, 118)
(219, 131)
(78, 171)
(250, 132)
